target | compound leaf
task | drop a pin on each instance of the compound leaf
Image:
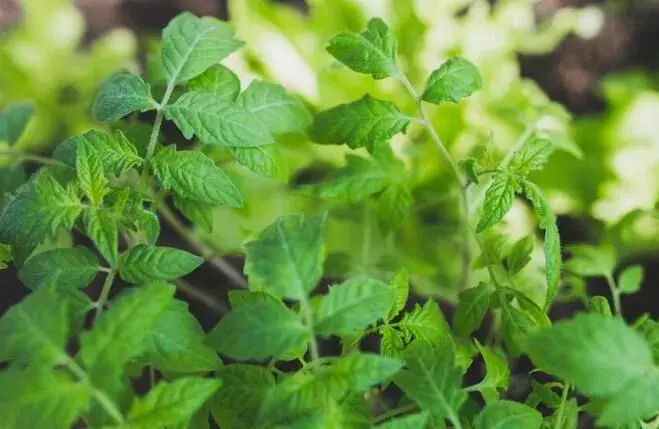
(144, 264)
(121, 95)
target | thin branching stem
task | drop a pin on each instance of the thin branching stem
(561, 409)
(23, 156)
(104, 401)
(157, 124)
(105, 292)
(395, 412)
(615, 295)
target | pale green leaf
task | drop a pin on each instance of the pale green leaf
(121, 95)
(352, 306)
(72, 267)
(120, 333)
(591, 261)
(13, 121)
(371, 52)
(516, 326)
(394, 206)
(266, 161)
(217, 121)
(454, 80)
(91, 177)
(191, 45)
(101, 226)
(114, 151)
(170, 403)
(148, 224)
(532, 156)
(425, 323)
(471, 169)
(497, 373)
(505, 414)
(363, 123)
(597, 354)
(288, 255)
(219, 81)
(176, 343)
(630, 279)
(413, 421)
(635, 401)
(361, 371)
(299, 395)
(600, 305)
(391, 343)
(498, 201)
(144, 264)
(650, 330)
(258, 331)
(41, 398)
(401, 284)
(279, 111)
(472, 306)
(200, 214)
(519, 254)
(193, 175)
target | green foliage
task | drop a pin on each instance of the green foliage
(383, 229)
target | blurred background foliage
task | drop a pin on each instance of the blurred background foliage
(603, 183)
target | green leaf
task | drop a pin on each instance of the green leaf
(176, 343)
(545, 395)
(635, 401)
(599, 305)
(401, 284)
(258, 331)
(516, 326)
(191, 45)
(497, 375)
(532, 156)
(630, 279)
(471, 169)
(361, 371)
(391, 343)
(505, 414)
(279, 111)
(193, 175)
(414, 421)
(37, 212)
(5, 256)
(362, 123)
(198, 213)
(471, 309)
(13, 121)
(219, 81)
(352, 306)
(240, 298)
(37, 329)
(288, 255)
(148, 224)
(73, 267)
(171, 403)
(299, 395)
(394, 206)
(91, 177)
(114, 151)
(122, 95)
(144, 264)
(591, 261)
(371, 52)
(519, 254)
(217, 121)
(432, 380)
(650, 330)
(454, 80)
(243, 390)
(11, 178)
(120, 333)
(41, 398)
(266, 161)
(425, 323)
(498, 201)
(597, 354)
(103, 229)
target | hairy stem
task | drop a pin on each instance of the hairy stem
(615, 295)
(105, 292)
(466, 251)
(160, 112)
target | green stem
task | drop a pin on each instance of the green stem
(105, 402)
(22, 156)
(105, 292)
(157, 124)
(561, 409)
(308, 320)
(395, 412)
(466, 251)
(615, 295)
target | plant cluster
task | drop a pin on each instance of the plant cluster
(276, 368)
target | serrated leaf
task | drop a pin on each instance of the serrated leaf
(175, 344)
(394, 206)
(103, 229)
(200, 214)
(41, 398)
(258, 331)
(114, 151)
(414, 421)
(519, 254)
(591, 261)
(432, 380)
(39, 209)
(149, 224)
(352, 306)
(425, 323)
(516, 326)
(472, 306)
(361, 371)
(72, 267)
(471, 169)
(171, 403)
(363, 123)
(13, 121)
(299, 395)
(629, 281)
(191, 45)
(91, 177)
(193, 175)
(391, 343)
(498, 201)
(37, 329)
(120, 333)
(454, 80)
(243, 390)
(279, 111)
(505, 414)
(219, 81)
(144, 264)
(217, 121)
(497, 375)
(121, 95)
(288, 255)
(401, 284)
(597, 354)
(635, 401)
(266, 161)
(371, 52)
(532, 156)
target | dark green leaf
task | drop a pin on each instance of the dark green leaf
(73, 267)
(394, 206)
(121, 95)
(114, 151)
(91, 177)
(414, 421)
(145, 264)
(471, 309)
(13, 121)
(456, 79)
